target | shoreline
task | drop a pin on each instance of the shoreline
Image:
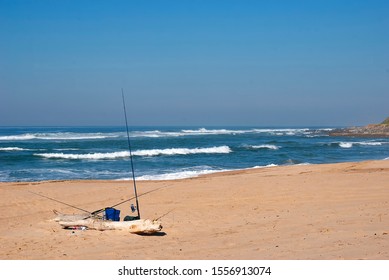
(36, 154)
(316, 211)
(184, 178)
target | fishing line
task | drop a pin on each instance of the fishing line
(160, 217)
(75, 207)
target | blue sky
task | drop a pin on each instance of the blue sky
(255, 63)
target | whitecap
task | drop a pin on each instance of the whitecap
(152, 152)
(345, 145)
(155, 134)
(58, 136)
(369, 143)
(13, 149)
(363, 143)
(183, 151)
(204, 131)
(91, 156)
(265, 146)
(282, 131)
(27, 136)
(222, 131)
(67, 149)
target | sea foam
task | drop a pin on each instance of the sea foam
(369, 143)
(364, 143)
(184, 174)
(13, 149)
(149, 153)
(58, 136)
(27, 136)
(186, 132)
(205, 131)
(178, 175)
(345, 145)
(183, 151)
(265, 146)
(158, 133)
(91, 156)
(264, 166)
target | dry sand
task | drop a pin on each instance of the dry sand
(329, 211)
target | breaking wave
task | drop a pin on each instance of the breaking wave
(264, 166)
(184, 174)
(158, 133)
(369, 143)
(204, 131)
(187, 132)
(345, 145)
(92, 156)
(183, 151)
(178, 175)
(265, 146)
(149, 153)
(348, 145)
(58, 136)
(13, 149)
(284, 131)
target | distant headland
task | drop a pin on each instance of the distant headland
(371, 130)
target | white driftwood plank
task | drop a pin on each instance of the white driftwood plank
(138, 226)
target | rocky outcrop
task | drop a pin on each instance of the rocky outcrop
(371, 130)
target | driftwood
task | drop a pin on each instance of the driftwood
(138, 226)
(85, 220)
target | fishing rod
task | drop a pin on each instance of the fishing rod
(129, 149)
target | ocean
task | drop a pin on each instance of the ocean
(163, 153)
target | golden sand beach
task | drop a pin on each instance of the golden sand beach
(328, 211)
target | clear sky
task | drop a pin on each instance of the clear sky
(255, 63)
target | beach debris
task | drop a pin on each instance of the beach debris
(143, 226)
(84, 222)
(78, 228)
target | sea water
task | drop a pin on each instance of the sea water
(162, 153)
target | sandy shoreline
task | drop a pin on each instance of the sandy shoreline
(329, 211)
